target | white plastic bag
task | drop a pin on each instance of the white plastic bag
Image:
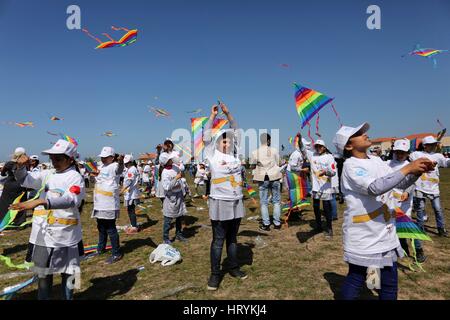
(373, 280)
(165, 253)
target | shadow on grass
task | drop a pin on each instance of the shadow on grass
(244, 255)
(190, 232)
(304, 236)
(336, 281)
(189, 220)
(132, 245)
(15, 249)
(109, 287)
(251, 233)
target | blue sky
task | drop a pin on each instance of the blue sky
(189, 53)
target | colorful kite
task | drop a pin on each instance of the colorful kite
(11, 214)
(69, 139)
(197, 125)
(159, 112)
(129, 38)
(426, 53)
(251, 192)
(194, 111)
(218, 124)
(309, 102)
(298, 191)
(186, 150)
(90, 166)
(294, 141)
(93, 248)
(24, 124)
(109, 134)
(54, 134)
(406, 228)
(55, 119)
(9, 292)
(284, 65)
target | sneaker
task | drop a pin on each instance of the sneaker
(277, 226)
(329, 234)
(420, 256)
(114, 259)
(425, 218)
(213, 282)
(181, 238)
(237, 273)
(442, 232)
(264, 227)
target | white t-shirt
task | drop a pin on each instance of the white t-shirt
(405, 206)
(295, 162)
(373, 234)
(131, 180)
(106, 193)
(200, 177)
(429, 182)
(68, 185)
(318, 163)
(146, 174)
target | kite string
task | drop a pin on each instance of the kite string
(337, 115)
(440, 124)
(317, 125)
(309, 132)
(120, 28)
(90, 35)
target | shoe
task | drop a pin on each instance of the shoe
(181, 238)
(264, 227)
(114, 259)
(442, 232)
(277, 226)
(318, 230)
(420, 256)
(213, 282)
(237, 273)
(329, 234)
(167, 242)
(425, 218)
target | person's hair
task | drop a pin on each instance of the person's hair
(37, 163)
(169, 143)
(265, 138)
(8, 169)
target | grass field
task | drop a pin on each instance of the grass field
(294, 263)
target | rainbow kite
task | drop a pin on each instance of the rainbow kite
(11, 214)
(197, 125)
(406, 228)
(426, 53)
(308, 103)
(8, 292)
(24, 124)
(55, 119)
(69, 139)
(159, 112)
(218, 124)
(298, 190)
(90, 166)
(251, 192)
(109, 134)
(195, 111)
(186, 150)
(129, 38)
(93, 248)
(294, 141)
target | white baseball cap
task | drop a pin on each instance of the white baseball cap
(34, 157)
(344, 133)
(429, 140)
(401, 145)
(149, 162)
(320, 143)
(165, 157)
(106, 152)
(62, 147)
(128, 158)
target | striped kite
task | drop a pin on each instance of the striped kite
(308, 103)
(159, 112)
(426, 53)
(129, 38)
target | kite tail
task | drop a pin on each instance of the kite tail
(434, 63)
(90, 35)
(337, 114)
(309, 132)
(417, 263)
(317, 125)
(117, 29)
(108, 36)
(440, 124)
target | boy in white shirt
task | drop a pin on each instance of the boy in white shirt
(199, 181)
(371, 245)
(427, 187)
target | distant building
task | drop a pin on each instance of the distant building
(385, 143)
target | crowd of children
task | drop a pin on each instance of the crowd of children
(371, 188)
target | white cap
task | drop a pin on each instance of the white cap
(149, 162)
(320, 143)
(344, 133)
(62, 147)
(429, 140)
(106, 152)
(34, 157)
(165, 157)
(401, 145)
(128, 158)
(19, 151)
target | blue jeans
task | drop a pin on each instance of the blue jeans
(419, 207)
(224, 231)
(166, 227)
(132, 215)
(356, 278)
(334, 207)
(45, 286)
(274, 187)
(107, 227)
(326, 211)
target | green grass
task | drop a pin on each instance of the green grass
(294, 265)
